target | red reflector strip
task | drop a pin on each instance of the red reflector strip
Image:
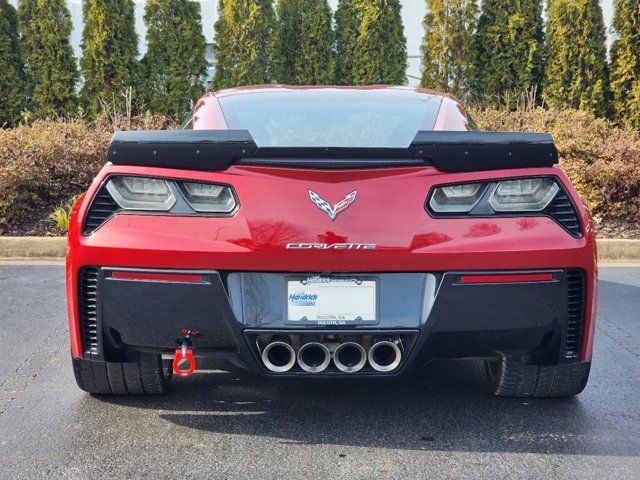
(158, 277)
(525, 277)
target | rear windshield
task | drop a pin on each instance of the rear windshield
(332, 117)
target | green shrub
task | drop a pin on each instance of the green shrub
(602, 160)
(61, 216)
(45, 163)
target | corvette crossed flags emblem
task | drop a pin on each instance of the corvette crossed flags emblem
(326, 207)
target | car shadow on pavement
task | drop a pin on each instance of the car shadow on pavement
(444, 406)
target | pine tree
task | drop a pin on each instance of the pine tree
(625, 62)
(381, 50)
(304, 44)
(243, 43)
(347, 19)
(109, 52)
(45, 27)
(448, 48)
(577, 72)
(12, 79)
(510, 44)
(174, 67)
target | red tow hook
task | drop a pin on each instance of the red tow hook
(185, 354)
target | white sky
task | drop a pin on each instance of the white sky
(412, 13)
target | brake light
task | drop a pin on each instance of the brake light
(157, 277)
(510, 278)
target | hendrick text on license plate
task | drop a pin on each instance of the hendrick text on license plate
(331, 300)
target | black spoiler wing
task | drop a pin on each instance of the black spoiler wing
(219, 149)
(471, 151)
(183, 149)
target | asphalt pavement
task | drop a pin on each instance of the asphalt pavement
(438, 423)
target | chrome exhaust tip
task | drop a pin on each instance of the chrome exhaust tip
(314, 357)
(278, 356)
(385, 355)
(349, 357)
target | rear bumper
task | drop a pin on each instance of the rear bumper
(542, 316)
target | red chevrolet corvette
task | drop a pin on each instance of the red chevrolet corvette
(331, 232)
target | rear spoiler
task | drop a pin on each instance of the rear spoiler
(219, 149)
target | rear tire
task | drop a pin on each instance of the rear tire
(147, 376)
(510, 377)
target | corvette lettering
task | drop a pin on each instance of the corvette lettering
(331, 246)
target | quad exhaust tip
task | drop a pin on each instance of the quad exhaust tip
(385, 355)
(349, 357)
(314, 357)
(278, 356)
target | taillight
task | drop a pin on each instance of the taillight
(523, 195)
(456, 198)
(141, 193)
(208, 197)
(137, 194)
(506, 197)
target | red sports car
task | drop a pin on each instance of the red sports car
(331, 232)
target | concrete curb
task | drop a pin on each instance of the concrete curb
(32, 247)
(50, 248)
(618, 250)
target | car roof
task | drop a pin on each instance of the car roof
(379, 89)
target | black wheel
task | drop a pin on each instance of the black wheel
(147, 376)
(512, 378)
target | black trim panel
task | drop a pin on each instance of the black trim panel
(102, 208)
(150, 314)
(330, 163)
(88, 310)
(576, 293)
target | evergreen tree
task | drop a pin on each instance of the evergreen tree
(287, 45)
(45, 27)
(222, 43)
(243, 43)
(109, 52)
(304, 45)
(448, 49)
(625, 62)
(381, 50)
(12, 79)
(510, 43)
(576, 73)
(347, 21)
(174, 66)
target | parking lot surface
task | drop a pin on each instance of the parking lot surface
(438, 423)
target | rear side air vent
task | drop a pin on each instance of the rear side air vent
(88, 310)
(102, 208)
(562, 210)
(575, 312)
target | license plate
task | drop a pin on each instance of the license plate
(331, 301)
